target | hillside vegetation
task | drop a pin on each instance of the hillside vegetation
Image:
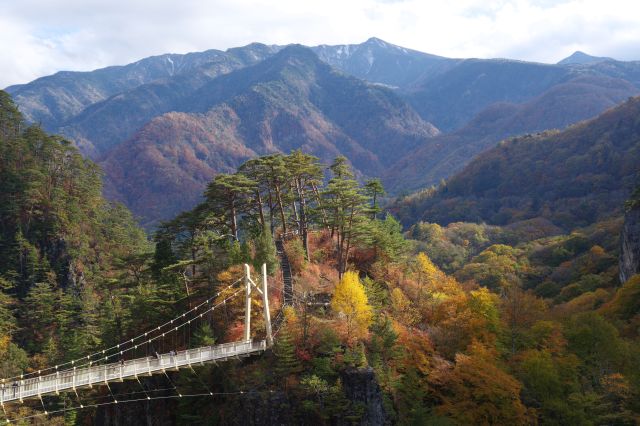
(572, 178)
(67, 256)
(562, 105)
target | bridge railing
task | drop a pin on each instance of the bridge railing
(112, 372)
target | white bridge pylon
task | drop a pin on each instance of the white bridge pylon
(102, 374)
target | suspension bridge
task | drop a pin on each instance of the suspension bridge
(109, 365)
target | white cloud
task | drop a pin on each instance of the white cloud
(42, 37)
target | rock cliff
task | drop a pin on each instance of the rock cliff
(361, 386)
(630, 244)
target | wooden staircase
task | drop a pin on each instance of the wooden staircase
(286, 273)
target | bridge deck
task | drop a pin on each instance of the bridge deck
(116, 372)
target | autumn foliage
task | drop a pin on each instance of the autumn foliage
(350, 302)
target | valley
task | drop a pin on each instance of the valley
(358, 234)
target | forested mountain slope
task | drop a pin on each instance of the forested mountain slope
(105, 124)
(64, 251)
(290, 101)
(560, 106)
(52, 100)
(451, 98)
(573, 178)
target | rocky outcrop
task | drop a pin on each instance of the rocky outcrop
(360, 385)
(266, 409)
(630, 244)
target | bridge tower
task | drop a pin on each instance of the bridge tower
(249, 283)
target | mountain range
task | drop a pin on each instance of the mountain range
(163, 126)
(563, 104)
(289, 101)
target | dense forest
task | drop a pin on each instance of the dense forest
(524, 323)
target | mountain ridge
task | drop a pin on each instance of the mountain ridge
(582, 58)
(573, 177)
(564, 104)
(289, 101)
(77, 90)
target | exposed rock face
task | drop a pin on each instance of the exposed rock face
(630, 245)
(360, 385)
(258, 409)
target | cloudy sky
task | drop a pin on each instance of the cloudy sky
(40, 37)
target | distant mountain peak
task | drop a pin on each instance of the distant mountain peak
(581, 58)
(378, 41)
(298, 55)
(297, 49)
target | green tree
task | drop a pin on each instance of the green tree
(277, 177)
(412, 397)
(336, 402)
(345, 202)
(387, 239)
(373, 188)
(8, 322)
(265, 252)
(287, 362)
(307, 174)
(274, 184)
(229, 195)
(597, 343)
(40, 307)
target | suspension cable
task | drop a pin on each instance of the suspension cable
(154, 398)
(117, 347)
(122, 351)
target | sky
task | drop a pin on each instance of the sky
(41, 37)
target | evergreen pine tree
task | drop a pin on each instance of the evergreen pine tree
(287, 362)
(265, 252)
(336, 403)
(345, 204)
(163, 256)
(228, 196)
(41, 308)
(306, 173)
(374, 189)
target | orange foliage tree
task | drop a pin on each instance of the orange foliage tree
(476, 391)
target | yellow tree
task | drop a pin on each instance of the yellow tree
(426, 271)
(403, 309)
(435, 290)
(350, 300)
(426, 265)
